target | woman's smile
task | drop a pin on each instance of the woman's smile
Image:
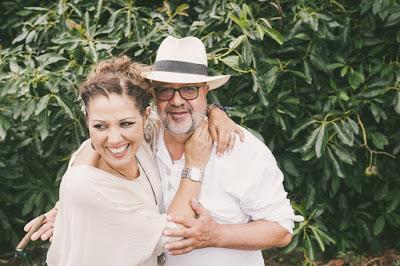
(119, 151)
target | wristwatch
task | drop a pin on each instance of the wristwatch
(193, 173)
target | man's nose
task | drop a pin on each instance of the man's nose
(177, 100)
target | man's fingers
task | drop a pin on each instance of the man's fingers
(198, 208)
(185, 221)
(180, 244)
(181, 251)
(182, 232)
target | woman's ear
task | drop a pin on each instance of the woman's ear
(147, 112)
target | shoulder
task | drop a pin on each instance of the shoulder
(251, 149)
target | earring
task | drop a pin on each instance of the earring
(91, 144)
(148, 129)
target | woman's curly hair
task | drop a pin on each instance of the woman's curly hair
(119, 75)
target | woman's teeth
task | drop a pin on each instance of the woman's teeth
(119, 150)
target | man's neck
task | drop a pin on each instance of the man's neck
(175, 144)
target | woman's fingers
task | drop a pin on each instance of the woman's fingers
(232, 141)
(42, 230)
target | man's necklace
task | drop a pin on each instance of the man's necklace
(144, 171)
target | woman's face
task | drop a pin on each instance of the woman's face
(116, 128)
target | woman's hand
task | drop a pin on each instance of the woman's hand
(223, 130)
(45, 232)
(198, 147)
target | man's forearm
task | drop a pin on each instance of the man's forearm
(254, 235)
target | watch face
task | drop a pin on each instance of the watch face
(193, 173)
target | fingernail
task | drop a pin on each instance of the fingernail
(166, 246)
(167, 232)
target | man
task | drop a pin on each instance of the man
(243, 206)
(242, 191)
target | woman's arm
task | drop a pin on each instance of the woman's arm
(197, 153)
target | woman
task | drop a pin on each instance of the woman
(109, 208)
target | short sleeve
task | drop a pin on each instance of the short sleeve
(261, 193)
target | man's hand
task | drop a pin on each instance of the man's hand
(223, 130)
(45, 232)
(199, 233)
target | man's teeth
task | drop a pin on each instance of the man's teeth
(119, 150)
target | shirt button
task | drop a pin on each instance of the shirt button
(168, 171)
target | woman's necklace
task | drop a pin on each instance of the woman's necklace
(144, 171)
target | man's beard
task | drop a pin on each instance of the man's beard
(184, 127)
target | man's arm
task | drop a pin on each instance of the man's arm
(205, 232)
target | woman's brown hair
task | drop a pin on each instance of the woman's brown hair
(121, 76)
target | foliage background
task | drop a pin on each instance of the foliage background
(317, 80)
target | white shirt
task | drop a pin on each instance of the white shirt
(244, 185)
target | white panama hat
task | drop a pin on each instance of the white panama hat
(183, 61)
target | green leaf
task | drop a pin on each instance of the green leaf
(376, 6)
(181, 9)
(309, 248)
(356, 79)
(231, 61)
(378, 139)
(14, 67)
(343, 135)
(379, 225)
(343, 71)
(301, 128)
(320, 139)
(4, 126)
(397, 103)
(270, 79)
(236, 42)
(353, 125)
(307, 72)
(42, 104)
(290, 168)
(342, 154)
(274, 34)
(318, 238)
(20, 37)
(310, 140)
(66, 109)
(49, 58)
(335, 164)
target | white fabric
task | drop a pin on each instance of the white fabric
(238, 187)
(106, 220)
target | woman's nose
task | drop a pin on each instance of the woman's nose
(115, 136)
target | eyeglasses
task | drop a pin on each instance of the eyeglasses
(186, 92)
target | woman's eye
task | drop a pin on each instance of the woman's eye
(99, 126)
(127, 124)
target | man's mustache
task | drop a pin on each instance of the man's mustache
(181, 108)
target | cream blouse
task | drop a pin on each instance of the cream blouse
(106, 220)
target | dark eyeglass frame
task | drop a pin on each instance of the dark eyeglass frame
(179, 90)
